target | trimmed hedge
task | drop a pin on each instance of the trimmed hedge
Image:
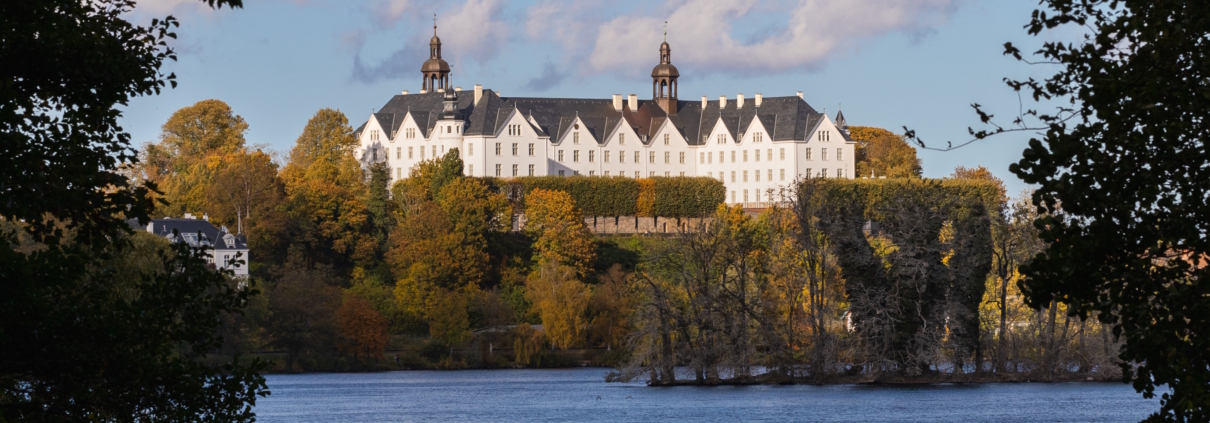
(621, 196)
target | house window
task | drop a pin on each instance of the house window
(606, 156)
(575, 137)
(575, 173)
(783, 174)
(399, 173)
(808, 154)
(470, 170)
(650, 174)
(745, 176)
(781, 153)
(636, 174)
(757, 154)
(409, 153)
(667, 174)
(411, 133)
(682, 174)
(733, 176)
(621, 157)
(722, 138)
(497, 170)
(560, 156)
(514, 149)
(823, 154)
(651, 157)
(449, 129)
(808, 172)
(682, 157)
(758, 137)
(745, 155)
(733, 156)
(638, 158)
(701, 158)
(839, 173)
(592, 173)
(745, 196)
(514, 170)
(531, 149)
(575, 156)
(732, 196)
(621, 139)
(531, 170)
(770, 156)
(497, 149)
(770, 175)
(666, 136)
(514, 130)
(561, 173)
(709, 174)
(398, 152)
(756, 193)
(606, 173)
(591, 156)
(470, 149)
(710, 158)
(756, 173)
(422, 153)
(839, 154)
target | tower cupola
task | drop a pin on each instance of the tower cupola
(663, 78)
(435, 70)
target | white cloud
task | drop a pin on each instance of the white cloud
(700, 32)
(161, 8)
(473, 30)
(385, 13)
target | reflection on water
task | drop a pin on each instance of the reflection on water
(581, 395)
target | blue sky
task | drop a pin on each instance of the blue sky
(889, 63)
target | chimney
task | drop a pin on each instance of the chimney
(478, 92)
(405, 92)
(632, 102)
(739, 101)
(424, 91)
(758, 99)
(441, 90)
(722, 102)
(189, 215)
(703, 102)
(458, 89)
(617, 102)
(800, 94)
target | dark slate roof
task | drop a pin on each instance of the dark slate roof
(188, 230)
(786, 118)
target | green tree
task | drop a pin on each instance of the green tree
(83, 341)
(303, 301)
(880, 152)
(1122, 180)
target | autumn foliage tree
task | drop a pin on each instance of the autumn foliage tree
(881, 152)
(559, 232)
(362, 327)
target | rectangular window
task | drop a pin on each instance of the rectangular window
(531, 149)
(756, 173)
(398, 152)
(733, 176)
(770, 156)
(422, 153)
(745, 196)
(745, 156)
(709, 174)
(783, 174)
(592, 173)
(575, 137)
(575, 156)
(651, 157)
(682, 174)
(770, 175)
(636, 174)
(710, 158)
(650, 174)
(606, 173)
(470, 170)
(497, 168)
(531, 170)
(399, 173)
(839, 173)
(575, 173)
(560, 159)
(591, 156)
(808, 154)
(514, 149)
(409, 153)
(701, 158)
(621, 139)
(757, 154)
(808, 172)
(756, 192)
(732, 196)
(637, 157)
(497, 149)
(667, 157)
(732, 157)
(839, 154)
(470, 149)
(621, 157)
(823, 154)
(682, 157)
(514, 170)
(745, 176)
(781, 154)
(561, 173)
(666, 136)
(606, 156)
(667, 174)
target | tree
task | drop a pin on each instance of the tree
(1123, 159)
(325, 193)
(194, 144)
(81, 341)
(303, 301)
(561, 236)
(364, 329)
(560, 300)
(880, 152)
(246, 194)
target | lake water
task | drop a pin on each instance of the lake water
(582, 395)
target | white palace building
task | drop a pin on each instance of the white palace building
(752, 145)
